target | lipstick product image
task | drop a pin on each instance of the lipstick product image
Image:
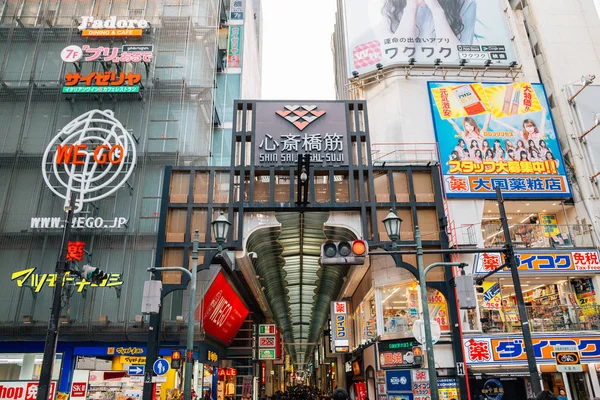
(507, 98)
(469, 99)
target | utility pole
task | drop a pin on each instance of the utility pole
(511, 262)
(53, 322)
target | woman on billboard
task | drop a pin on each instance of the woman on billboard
(470, 130)
(529, 130)
(453, 20)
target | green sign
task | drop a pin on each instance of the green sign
(401, 345)
(266, 354)
(266, 329)
(100, 89)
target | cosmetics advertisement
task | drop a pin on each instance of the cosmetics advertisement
(497, 135)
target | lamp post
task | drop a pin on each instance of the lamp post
(392, 227)
(220, 228)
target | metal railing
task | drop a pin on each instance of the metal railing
(540, 236)
(404, 153)
(555, 318)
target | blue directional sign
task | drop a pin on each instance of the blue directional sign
(136, 370)
(161, 366)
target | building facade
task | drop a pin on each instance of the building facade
(489, 94)
(135, 86)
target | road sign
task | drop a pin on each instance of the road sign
(460, 368)
(161, 366)
(567, 359)
(268, 329)
(419, 331)
(266, 354)
(136, 370)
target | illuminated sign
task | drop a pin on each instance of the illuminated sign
(38, 281)
(212, 356)
(567, 359)
(91, 27)
(266, 354)
(75, 251)
(405, 353)
(268, 341)
(339, 321)
(92, 156)
(547, 262)
(23, 390)
(132, 360)
(78, 223)
(106, 82)
(487, 350)
(128, 53)
(266, 329)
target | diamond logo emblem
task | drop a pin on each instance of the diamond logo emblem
(300, 116)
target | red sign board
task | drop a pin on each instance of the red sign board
(223, 310)
(78, 389)
(278, 344)
(361, 390)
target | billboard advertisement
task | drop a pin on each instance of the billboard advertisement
(395, 31)
(497, 135)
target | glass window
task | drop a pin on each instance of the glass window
(382, 188)
(201, 187)
(26, 367)
(180, 187)
(221, 188)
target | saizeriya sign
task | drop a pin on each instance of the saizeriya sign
(285, 130)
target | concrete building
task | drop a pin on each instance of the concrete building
(422, 79)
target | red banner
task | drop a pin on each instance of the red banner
(361, 390)
(224, 311)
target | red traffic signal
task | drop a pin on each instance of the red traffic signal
(344, 253)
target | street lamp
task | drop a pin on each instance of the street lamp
(392, 227)
(220, 230)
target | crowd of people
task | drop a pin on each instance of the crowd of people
(309, 393)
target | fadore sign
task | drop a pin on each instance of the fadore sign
(111, 27)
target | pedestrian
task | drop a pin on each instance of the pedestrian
(546, 395)
(340, 394)
(562, 394)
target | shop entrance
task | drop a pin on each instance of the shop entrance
(578, 386)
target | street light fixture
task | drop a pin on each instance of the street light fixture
(392, 226)
(220, 230)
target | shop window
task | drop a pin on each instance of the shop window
(365, 319)
(172, 257)
(176, 222)
(26, 366)
(423, 187)
(180, 187)
(199, 222)
(382, 188)
(262, 187)
(322, 192)
(341, 186)
(221, 188)
(201, 187)
(401, 187)
(357, 197)
(428, 224)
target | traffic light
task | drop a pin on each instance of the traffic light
(467, 299)
(176, 359)
(92, 274)
(479, 286)
(343, 253)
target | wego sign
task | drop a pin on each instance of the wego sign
(93, 156)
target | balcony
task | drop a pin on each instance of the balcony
(543, 319)
(404, 153)
(533, 236)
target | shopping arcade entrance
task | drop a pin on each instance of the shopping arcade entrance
(260, 201)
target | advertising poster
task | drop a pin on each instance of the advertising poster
(491, 296)
(550, 224)
(497, 135)
(438, 309)
(390, 32)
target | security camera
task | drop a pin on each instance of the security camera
(253, 255)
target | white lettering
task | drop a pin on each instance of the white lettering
(84, 23)
(88, 22)
(110, 23)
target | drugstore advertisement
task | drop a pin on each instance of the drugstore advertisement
(392, 32)
(497, 135)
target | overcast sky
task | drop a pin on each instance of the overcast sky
(297, 58)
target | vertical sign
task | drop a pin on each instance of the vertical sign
(340, 332)
(550, 224)
(236, 12)
(234, 51)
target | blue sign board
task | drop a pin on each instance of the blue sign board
(161, 366)
(398, 381)
(136, 370)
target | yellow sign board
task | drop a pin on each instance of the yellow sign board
(111, 32)
(132, 360)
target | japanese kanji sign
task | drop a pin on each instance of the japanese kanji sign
(285, 130)
(75, 251)
(340, 336)
(27, 277)
(403, 353)
(106, 82)
(479, 33)
(488, 350)
(567, 359)
(236, 12)
(497, 135)
(234, 50)
(552, 262)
